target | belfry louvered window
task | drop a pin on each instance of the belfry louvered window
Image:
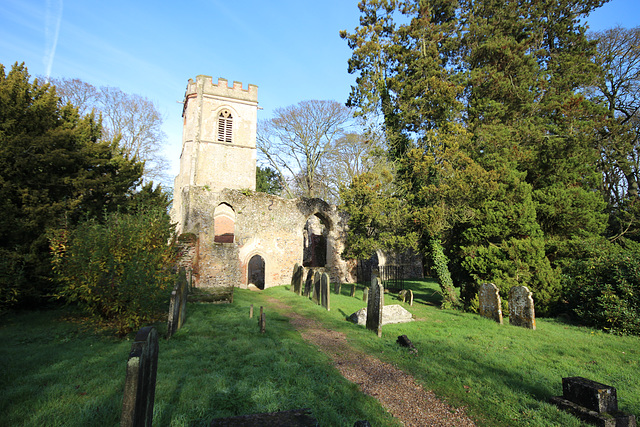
(225, 126)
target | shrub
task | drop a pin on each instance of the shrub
(118, 270)
(603, 289)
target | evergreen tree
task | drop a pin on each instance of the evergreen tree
(53, 171)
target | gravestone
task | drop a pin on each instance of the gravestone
(490, 305)
(296, 279)
(324, 291)
(353, 290)
(337, 288)
(263, 321)
(592, 402)
(375, 305)
(365, 295)
(521, 312)
(178, 304)
(251, 312)
(409, 298)
(140, 383)
(316, 288)
(308, 284)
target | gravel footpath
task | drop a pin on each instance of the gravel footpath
(395, 390)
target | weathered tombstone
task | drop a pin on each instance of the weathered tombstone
(490, 305)
(521, 312)
(592, 402)
(324, 291)
(337, 288)
(410, 297)
(261, 313)
(263, 321)
(374, 305)
(251, 312)
(140, 383)
(316, 288)
(402, 295)
(308, 284)
(365, 295)
(296, 279)
(178, 304)
(353, 290)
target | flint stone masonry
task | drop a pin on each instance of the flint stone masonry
(375, 305)
(521, 311)
(393, 313)
(325, 291)
(490, 305)
(592, 402)
(140, 382)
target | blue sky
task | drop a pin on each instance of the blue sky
(291, 49)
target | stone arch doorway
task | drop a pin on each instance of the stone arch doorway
(316, 241)
(256, 271)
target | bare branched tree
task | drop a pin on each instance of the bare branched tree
(298, 139)
(132, 122)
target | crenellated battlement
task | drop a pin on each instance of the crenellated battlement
(204, 85)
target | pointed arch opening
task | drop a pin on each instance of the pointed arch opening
(224, 224)
(256, 271)
(316, 233)
(225, 126)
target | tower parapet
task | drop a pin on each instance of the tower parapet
(221, 89)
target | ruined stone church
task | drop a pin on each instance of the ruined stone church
(240, 236)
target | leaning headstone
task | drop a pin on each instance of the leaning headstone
(353, 290)
(365, 295)
(308, 284)
(178, 304)
(592, 402)
(402, 295)
(140, 383)
(410, 297)
(490, 305)
(375, 305)
(296, 279)
(324, 291)
(521, 312)
(316, 288)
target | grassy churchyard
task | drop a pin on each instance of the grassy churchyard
(55, 372)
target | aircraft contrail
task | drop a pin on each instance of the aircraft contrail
(53, 18)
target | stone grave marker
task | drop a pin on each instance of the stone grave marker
(521, 312)
(308, 284)
(251, 312)
(490, 305)
(178, 304)
(325, 291)
(316, 288)
(375, 305)
(296, 279)
(140, 382)
(365, 294)
(353, 290)
(592, 402)
(337, 288)
(410, 297)
(263, 321)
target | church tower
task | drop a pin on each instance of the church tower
(218, 139)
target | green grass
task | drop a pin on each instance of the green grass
(219, 365)
(503, 375)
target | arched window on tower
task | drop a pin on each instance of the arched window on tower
(225, 126)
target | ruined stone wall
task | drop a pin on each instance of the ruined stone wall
(265, 225)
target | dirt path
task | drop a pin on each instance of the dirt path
(396, 391)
